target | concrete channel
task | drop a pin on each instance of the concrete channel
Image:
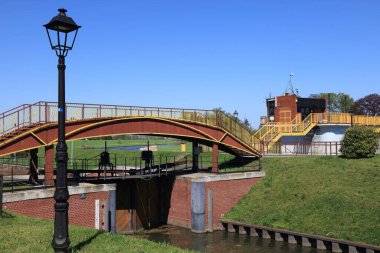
(306, 240)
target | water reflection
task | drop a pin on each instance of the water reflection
(220, 241)
(140, 147)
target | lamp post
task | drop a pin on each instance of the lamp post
(352, 118)
(236, 115)
(62, 31)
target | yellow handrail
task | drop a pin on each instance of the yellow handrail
(366, 120)
(271, 132)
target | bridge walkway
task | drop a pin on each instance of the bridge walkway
(207, 126)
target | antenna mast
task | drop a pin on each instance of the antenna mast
(289, 88)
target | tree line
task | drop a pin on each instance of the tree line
(341, 102)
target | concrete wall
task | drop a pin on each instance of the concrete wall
(322, 140)
(329, 133)
(291, 144)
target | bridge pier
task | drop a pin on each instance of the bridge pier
(195, 156)
(215, 150)
(49, 165)
(33, 165)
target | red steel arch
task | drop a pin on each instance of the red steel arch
(46, 134)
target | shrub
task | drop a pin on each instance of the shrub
(359, 142)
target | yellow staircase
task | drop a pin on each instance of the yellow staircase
(271, 132)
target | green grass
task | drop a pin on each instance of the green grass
(8, 187)
(91, 149)
(23, 234)
(87, 149)
(328, 196)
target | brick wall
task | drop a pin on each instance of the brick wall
(226, 194)
(81, 211)
(180, 203)
(286, 103)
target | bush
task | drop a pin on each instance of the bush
(359, 142)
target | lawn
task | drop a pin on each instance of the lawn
(22, 234)
(168, 149)
(328, 196)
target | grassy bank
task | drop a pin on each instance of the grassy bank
(92, 148)
(23, 234)
(328, 196)
(166, 148)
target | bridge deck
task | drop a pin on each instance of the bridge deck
(209, 126)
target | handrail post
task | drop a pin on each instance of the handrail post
(231, 126)
(125, 166)
(12, 175)
(3, 127)
(159, 167)
(1, 196)
(30, 114)
(46, 115)
(135, 164)
(39, 113)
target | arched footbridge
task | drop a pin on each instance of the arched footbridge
(31, 126)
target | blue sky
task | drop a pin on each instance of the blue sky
(192, 54)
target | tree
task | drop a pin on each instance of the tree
(368, 105)
(338, 102)
(247, 124)
(359, 142)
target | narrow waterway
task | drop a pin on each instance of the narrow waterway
(139, 147)
(220, 241)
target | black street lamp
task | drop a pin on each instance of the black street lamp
(63, 30)
(236, 115)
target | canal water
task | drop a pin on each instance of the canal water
(220, 241)
(139, 147)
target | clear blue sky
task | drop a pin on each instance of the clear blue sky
(192, 54)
